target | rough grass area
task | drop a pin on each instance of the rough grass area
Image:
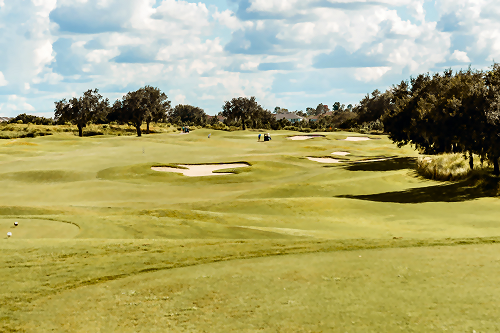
(447, 166)
(106, 244)
(16, 131)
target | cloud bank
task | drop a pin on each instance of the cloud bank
(289, 53)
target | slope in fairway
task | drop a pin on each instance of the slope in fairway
(453, 289)
(123, 235)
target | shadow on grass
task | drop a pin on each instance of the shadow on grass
(475, 187)
(392, 164)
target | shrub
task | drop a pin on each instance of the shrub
(446, 166)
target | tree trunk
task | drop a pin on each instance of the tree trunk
(471, 161)
(80, 130)
(147, 127)
(496, 169)
(138, 128)
(243, 123)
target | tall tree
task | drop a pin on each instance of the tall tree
(373, 108)
(157, 105)
(310, 111)
(81, 111)
(187, 114)
(240, 109)
(493, 116)
(146, 104)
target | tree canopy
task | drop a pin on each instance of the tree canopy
(147, 104)
(242, 109)
(187, 114)
(448, 112)
(81, 111)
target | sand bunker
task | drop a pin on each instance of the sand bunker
(357, 138)
(341, 153)
(304, 137)
(200, 170)
(324, 159)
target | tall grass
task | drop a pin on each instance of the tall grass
(447, 166)
(15, 131)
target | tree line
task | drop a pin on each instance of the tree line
(145, 105)
(148, 104)
(445, 112)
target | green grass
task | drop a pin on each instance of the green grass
(105, 243)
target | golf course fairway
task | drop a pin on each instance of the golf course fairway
(272, 242)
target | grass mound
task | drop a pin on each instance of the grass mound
(446, 167)
(48, 176)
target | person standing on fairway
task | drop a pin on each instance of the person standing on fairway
(209, 135)
(259, 137)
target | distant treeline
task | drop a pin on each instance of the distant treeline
(149, 104)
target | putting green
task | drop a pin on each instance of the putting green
(37, 228)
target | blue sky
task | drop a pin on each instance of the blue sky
(289, 53)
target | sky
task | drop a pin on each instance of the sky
(288, 53)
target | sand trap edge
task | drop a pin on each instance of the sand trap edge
(202, 169)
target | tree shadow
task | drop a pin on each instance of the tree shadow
(465, 190)
(392, 164)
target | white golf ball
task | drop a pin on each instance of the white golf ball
(9, 234)
(15, 223)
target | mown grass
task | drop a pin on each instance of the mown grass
(142, 236)
(46, 276)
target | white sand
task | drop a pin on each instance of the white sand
(324, 159)
(202, 169)
(304, 137)
(357, 138)
(341, 153)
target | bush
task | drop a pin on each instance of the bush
(446, 166)
(26, 119)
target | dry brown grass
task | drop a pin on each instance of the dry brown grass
(447, 166)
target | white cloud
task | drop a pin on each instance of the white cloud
(272, 5)
(229, 19)
(16, 104)
(460, 56)
(3, 81)
(205, 97)
(370, 73)
(179, 99)
(183, 48)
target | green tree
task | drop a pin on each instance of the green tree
(188, 114)
(492, 111)
(146, 104)
(240, 109)
(157, 105)
(81, 111)
(310, 111)
(373, 108)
